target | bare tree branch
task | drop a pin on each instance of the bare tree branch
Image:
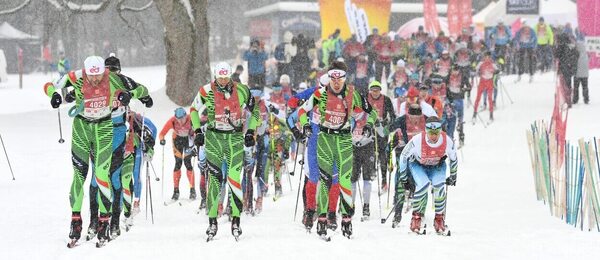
(16, 9)
(136, 30)
(136, 9)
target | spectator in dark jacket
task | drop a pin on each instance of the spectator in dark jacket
(581, 77)
(567, 56)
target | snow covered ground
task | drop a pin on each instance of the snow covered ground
(492, 212)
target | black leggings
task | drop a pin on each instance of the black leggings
(180, 145)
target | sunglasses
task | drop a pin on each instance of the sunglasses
(436, 81)
(412, 99)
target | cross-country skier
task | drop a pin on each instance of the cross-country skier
(364, 164)
(336, 103)
(96, 93)
(486, 69)
(182, 134)
(224, 99)
(385, 115)
(425, 155)
(410, 119)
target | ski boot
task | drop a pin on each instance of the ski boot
(92, 229)
(439, 224)
(366, 212)
(308, 219)
(192, 194)
(175, 194)
(347, 226)
(115, 230)
(75, 230)
(278, 190)
(228, 211)
(236, 231)
(211, 231)
(202, 203)
(397, 218)
(322, 228)
(258, 206)
(332, 221)
(103, 230)
(491, 116)
(415, 223)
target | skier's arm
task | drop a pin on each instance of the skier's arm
(308, 106)
(389, 113)
(361, 104)
(407, 152)
(451, 153)
(65, 81)
(427, 109)
(166, 128)
(198, 106)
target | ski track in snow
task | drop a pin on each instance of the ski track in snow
(493, 212)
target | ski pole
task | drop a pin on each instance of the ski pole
(301, 162)
(507, 94)
(162, 175)
(359, 191)
(383, 220)
(60, 140)
(377, 173)
(5, 153)
(155, 176)
(149, 184)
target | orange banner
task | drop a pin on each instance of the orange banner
(354, 17)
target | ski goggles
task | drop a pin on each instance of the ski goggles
(433, 127)
(336, 74)
(436, 81)
(256, 92)
(412, 100)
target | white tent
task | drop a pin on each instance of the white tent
(554, 12)
(7, 31)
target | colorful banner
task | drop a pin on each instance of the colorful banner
(460, 16)
(531, 7)
(359, 17)
(432, 23)
(588, 18)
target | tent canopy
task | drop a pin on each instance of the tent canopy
(7, 31)
(554, 12)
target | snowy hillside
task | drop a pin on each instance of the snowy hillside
(492, 211)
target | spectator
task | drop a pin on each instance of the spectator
(581, 77)
(352, 49)
(301, 62)
(369, 44)
(63, 66)
(236, 75)
(284, 52)
(256, 58)
(567, 56)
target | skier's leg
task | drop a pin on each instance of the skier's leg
(214, 155)
(235, 158)
(325, 159)
(438, 180)
(399, 195)
(102, 146)
(178, 150)
(480, 89)
(187, 160)
(382, 146)
(584, 86)
(313, 170)
(118, 146)
(80, 154)
(202, 166)
(344, 160)
(490, 87)
(126, 181)
(137, 181)
(419, 200)
(576, 84)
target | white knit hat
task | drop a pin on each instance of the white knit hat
(94, 65)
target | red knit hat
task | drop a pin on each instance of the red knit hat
(412, 92)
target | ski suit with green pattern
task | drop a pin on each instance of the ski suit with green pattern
(224, 138)
(334, 145)
(92, 135)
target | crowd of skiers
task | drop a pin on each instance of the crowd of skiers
(337, 124)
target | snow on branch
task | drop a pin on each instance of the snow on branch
(92, 8)
(136, 9)
(14, 10)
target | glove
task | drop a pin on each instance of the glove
(249, 138)
(199, 138)
(297, 134)
(56, 100)
(367, 131)
(307, 131)
(163, 142)
(194, 151)
(124, 97)
(451, 180)
(147, 157)
(147, 100)
(70, 97)
(273, 109)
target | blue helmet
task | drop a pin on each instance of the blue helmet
(180, 113)
(400, 92)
